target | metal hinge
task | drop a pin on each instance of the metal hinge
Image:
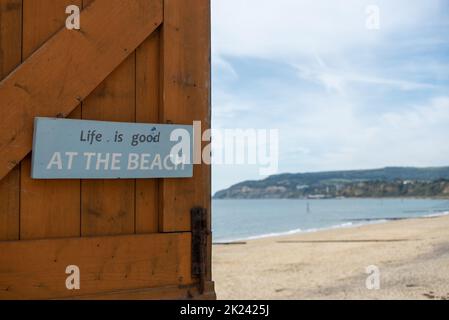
(200, 235)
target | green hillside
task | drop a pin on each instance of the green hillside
(386, 182)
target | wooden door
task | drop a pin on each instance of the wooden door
(145, 61)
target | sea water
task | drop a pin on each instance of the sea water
(235, 220)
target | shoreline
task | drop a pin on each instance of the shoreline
(345, 225)
(412, 255)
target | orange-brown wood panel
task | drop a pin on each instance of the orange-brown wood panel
(108, 206)
(166, 79)
(147, 111)
(36, 269)
(185, 98)
(10, 57)
(49, 209)
(68, 67)
(183, 292)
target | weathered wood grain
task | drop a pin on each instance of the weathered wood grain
(147, 111)
(183, 292)
(48, 209)
(10, 58)
(185, 98)
(122, 66)
(68, 67)
(108, 206)
(36, 269)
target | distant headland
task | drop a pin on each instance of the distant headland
(390, 182)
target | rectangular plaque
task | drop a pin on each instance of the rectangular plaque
(80, 149)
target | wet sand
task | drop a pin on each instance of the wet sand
(412, 257)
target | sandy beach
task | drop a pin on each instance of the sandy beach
(412, 256)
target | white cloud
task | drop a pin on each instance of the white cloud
(433, 116)
(339, 138)
(339, 81)
(288, 28)
(224, 67)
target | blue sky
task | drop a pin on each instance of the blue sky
(343, 96)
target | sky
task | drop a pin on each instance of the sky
(343, 91)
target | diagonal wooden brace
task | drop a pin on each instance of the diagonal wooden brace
(68, 67)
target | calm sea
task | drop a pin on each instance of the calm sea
(251, 219)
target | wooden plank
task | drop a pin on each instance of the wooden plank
(147, 111)
(108, 206)
(185, 292)
(10, 58)
(68, 67)
(10, 35)
(49, 209)
(186, 97)
(36, 269)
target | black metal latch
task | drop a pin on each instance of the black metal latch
(200, 235)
